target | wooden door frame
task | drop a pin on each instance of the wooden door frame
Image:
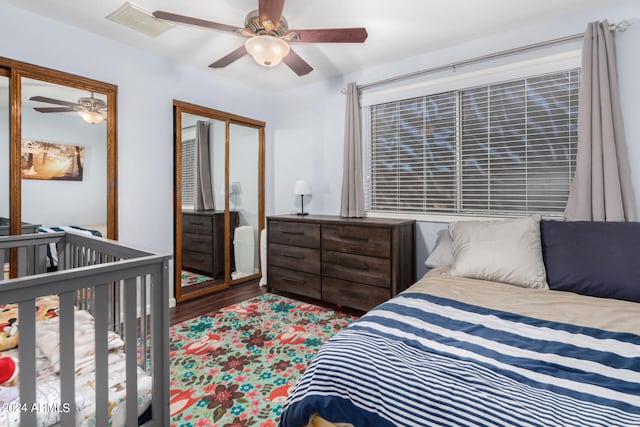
(180, 107)
(17, 70)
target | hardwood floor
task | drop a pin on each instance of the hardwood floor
(214, 302)
(235, 294)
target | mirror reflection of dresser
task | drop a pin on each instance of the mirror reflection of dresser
(203, 244)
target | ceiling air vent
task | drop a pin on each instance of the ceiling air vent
(139, 19)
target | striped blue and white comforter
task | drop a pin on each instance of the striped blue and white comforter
(423, 360)
(52, 249)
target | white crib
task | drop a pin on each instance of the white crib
(126, 290)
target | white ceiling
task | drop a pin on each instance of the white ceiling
(397, 29)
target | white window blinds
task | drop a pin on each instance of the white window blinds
(502, 149)
(188, 172)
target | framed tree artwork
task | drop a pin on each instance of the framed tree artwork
(50, 160)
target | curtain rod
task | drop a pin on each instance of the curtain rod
(621, 27)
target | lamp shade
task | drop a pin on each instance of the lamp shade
(235, 188)
(92, 117)
(301, 188)
(267, 51)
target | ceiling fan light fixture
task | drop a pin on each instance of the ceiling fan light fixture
(267, 51)
(92, 117)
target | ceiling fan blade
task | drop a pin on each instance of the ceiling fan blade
(271, 10)
(55, 109)
(297, 64)
(331, 35)
(52, 101)
(181, 19)
(228, 59)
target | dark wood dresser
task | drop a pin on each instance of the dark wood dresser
(203, 241)
(355, 262)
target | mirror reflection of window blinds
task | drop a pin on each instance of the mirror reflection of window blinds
(188, 172)
(503, 149)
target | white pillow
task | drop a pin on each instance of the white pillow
(507, 251)
(442, 252)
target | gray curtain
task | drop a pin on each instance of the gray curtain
(204, 190)
(601, 189)
(352, 204)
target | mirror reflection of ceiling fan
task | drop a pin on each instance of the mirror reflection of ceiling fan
(91, 109)
(268, 36)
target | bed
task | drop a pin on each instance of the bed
(52, 250)
(454, 350)
(112, 370)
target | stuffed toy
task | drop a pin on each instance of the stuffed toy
(8, 371)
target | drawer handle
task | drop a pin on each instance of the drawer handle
(295, 256)
(358, 238)
(294, 280)
(295, 233)
(360, 266)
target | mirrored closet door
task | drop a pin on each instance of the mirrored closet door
(244, 198)
(64, 157)
(58, 134)
(219, 209)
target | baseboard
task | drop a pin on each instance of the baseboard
(172, 304)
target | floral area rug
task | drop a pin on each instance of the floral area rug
(189, 278)
(236, 367)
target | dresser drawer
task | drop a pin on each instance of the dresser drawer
(295, 258)
(293, 281)
(294, 233)
(362, 261)
(197, 242)
(200, 224)
(351, 294)
(357, 268)
(197, 261)
(363, 240)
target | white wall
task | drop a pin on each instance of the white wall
(309, 126)
(147, 85)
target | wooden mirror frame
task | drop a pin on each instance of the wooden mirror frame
(180, 107)
(18, 70)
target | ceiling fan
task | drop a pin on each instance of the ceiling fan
(268, 36)
(91, 109)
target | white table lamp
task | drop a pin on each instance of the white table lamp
(301, 188)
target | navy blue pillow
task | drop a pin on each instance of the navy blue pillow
(600, 259)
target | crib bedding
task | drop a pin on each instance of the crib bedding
(48, 383)
(48, 395)
(453, 351)
(92, 230)
(46, 308)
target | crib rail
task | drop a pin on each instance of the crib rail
(125, 289)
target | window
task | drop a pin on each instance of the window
(501, 149)
(188, 172)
